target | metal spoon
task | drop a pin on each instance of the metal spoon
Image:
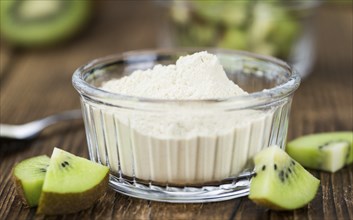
(32, 129)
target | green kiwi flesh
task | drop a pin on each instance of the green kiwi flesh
(29, 176)
(38, 23)
(328, 151)
(71, 184)
(279, 182)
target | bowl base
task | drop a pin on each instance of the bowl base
(237, 188)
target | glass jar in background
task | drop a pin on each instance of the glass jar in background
(278, 28)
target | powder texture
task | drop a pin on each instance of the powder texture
(190, 145)
(196, 76)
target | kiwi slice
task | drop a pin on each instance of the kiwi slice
(37, 23)
(280, 182)
(328, 151)
(29, 176)
(71, 184)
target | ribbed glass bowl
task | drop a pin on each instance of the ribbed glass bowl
(184, 150)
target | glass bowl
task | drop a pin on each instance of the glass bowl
(185, 150)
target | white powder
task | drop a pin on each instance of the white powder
(177, 147)
(196, 76)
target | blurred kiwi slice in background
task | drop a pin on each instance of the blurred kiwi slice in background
(32, 23)
(265, 27)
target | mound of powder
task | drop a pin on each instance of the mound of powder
(196, 76)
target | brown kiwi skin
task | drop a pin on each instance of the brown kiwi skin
(268, 204)
(19, 188)
(60, 204)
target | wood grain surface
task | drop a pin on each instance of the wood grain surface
(37, 83)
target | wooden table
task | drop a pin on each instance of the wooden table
(37, 83)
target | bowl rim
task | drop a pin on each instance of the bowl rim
(258, 98)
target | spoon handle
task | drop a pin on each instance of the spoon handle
(31, 129)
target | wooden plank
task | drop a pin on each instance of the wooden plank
(5, 55)
(218, 210)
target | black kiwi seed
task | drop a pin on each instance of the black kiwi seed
(287, 175)
(275, 166)
(255, 174)
(263, 167)
(281, 175)
(324, 145)
(293, 163)
(65, 163)
(43, 170)
(289, 170)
